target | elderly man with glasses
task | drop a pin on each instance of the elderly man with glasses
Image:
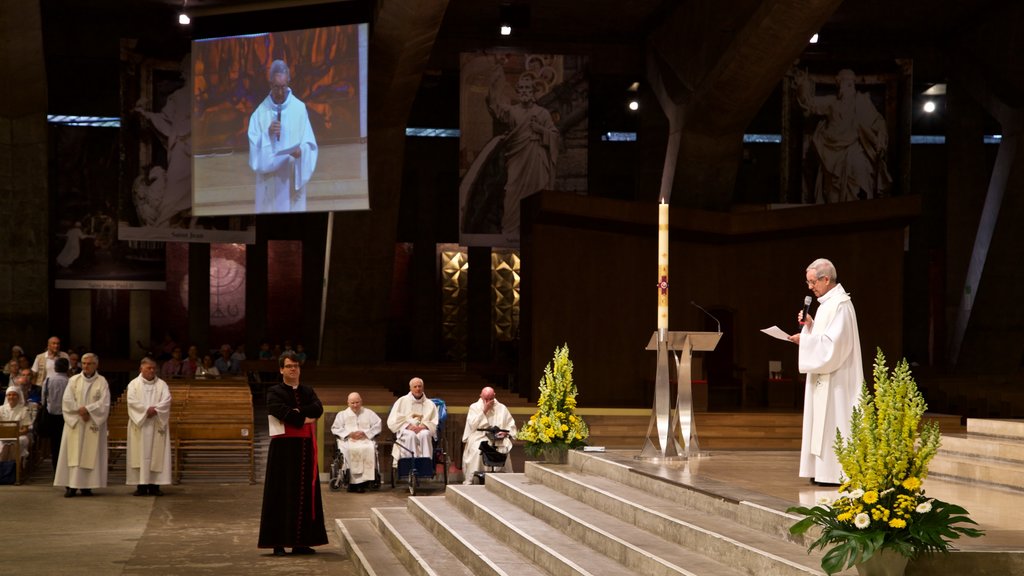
(830, 356)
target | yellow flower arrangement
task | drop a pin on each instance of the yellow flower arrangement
(555, 424)
(881, 503)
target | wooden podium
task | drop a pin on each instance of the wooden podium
(671, 426)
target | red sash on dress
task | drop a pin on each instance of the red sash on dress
(305, 431)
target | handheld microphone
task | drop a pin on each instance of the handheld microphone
(807, 308)
(278, 122)
(710, 315)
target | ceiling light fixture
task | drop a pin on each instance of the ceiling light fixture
(505, 30)
(929, 107)
(183, 18)
(814, 39)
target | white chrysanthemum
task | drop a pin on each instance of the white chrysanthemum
(924, 507)
(862, 520)
(856, 493)
(824, 501)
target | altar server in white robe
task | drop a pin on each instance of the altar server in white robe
(355, 428)
(413, 419)
(486, 412)
(830, 356)
(148, 465)
(82, 463)
(282, 146)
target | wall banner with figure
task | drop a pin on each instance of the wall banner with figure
(523, 129)
(846, 131)
(156, 156)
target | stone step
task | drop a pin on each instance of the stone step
(993, 427)
(753, 510)
(479, 550)
(364, 546)
(416, 548)
(566, 544)
(983, 446)
(595, 506)
(975, 470)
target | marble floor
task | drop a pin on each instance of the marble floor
(211, 528)
(770, 478)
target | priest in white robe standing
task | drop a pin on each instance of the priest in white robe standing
(413, 419)
(282, 146)
(82, 463)
(148, 465)
(830, 356)
(486, 412)
(355, 428)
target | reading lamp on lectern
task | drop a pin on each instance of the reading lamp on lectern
(710, 315)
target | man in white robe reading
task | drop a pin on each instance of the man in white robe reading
(82, 463)
(355, 428)
(487, 413)
(282, 146)
(830, 356)
(413, 419)
(148, 465)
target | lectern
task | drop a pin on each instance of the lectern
(667, 427)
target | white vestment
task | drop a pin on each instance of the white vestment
(149, 439)
(359, 454)
(476, 418)
(83, 447)
(280, 178)
(21, 415)
(830, 356)
(410, 411)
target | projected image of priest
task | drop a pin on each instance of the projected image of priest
(282, 147)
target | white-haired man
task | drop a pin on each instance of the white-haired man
(148, 465)
(82, 463)
(830, 356)
(413, 419)
(355, 428)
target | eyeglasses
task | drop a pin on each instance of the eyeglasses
(296, 366)
(811, 283)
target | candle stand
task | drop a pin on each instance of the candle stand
(667, 426)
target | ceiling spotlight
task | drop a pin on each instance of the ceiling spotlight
(634, 105)
(929, 107)
(505, 30)
(814, 39)
(183, 19)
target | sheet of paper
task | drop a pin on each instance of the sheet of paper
(776, 332)
(288, 150)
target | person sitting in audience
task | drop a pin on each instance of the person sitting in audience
(15, 409)
(192, 362)
(300, 353)
(207, 370)
(265, 353)
(175, 367)
(238, 356)
(413, 419)
(224, 363)
(355, 428)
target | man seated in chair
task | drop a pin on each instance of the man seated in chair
(413, 419)
(355, 428)
(487, 413)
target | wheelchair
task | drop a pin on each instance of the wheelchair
(492, 458)
(341, 477)
(413, 467)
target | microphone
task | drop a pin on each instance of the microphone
(278, 108)
(807, 308)
(710, 315)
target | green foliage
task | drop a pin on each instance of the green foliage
(882, 503)
(555, 423)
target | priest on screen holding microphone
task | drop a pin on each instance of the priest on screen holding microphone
(282, 147)
(830, 356)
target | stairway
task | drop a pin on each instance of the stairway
(560, 520)
(991, 453)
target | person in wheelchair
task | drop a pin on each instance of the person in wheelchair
(414, 420)
(485, 425)
(356, 428)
